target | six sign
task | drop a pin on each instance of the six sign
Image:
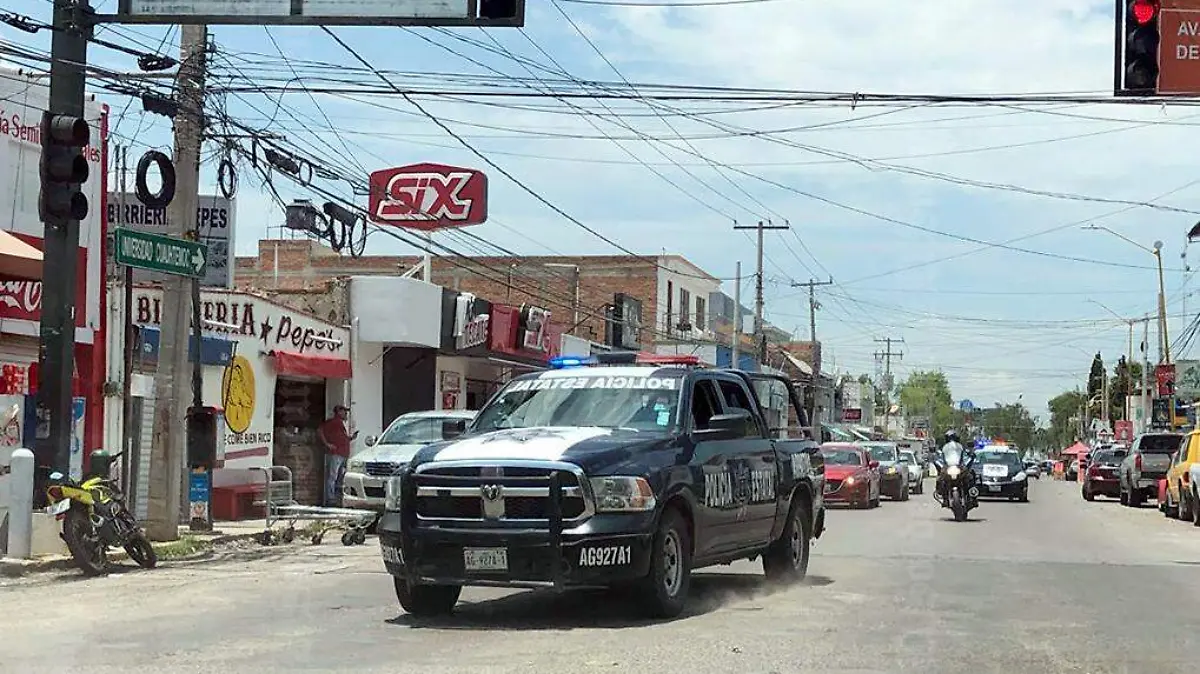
(428, 197)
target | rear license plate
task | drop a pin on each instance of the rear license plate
(392, 555)
(485, 559)
(993, 487)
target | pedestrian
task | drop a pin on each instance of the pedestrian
(336, 438)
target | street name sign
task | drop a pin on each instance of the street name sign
(1179, 48)
(160, 253)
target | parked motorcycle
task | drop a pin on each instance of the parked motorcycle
(94, 517)
(957, 485)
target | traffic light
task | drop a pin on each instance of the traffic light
(64, 168)
(1141, 48)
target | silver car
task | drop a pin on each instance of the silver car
(368, 470)
(916, 471)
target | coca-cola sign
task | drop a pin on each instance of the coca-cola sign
(22, 300)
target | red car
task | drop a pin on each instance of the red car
(851, 476)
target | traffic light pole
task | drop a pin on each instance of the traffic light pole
(68, 53)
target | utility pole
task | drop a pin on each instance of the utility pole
(170, 385)
(736, 342)
(760, 336)
(68, 53)
(887, 377)
(812, 335)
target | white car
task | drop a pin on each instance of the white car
(368, 470)
(916, 472)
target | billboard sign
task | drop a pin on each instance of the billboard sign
(428, 197)
(320, 12)
(215, 216)
(22, 100)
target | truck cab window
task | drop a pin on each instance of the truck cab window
(704, 403)
(737, 399)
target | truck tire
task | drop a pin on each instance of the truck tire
(786, 560)
(426, 601)
(664, 591)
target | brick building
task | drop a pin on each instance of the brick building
(673, 293)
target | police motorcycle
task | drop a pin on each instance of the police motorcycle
(957, 484)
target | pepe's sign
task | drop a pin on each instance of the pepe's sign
(247, 316)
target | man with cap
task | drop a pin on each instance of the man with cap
(336, 438)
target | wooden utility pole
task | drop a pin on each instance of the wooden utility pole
(736, 343)
(760, 336)
(812, 335)
(170, 383)
(887, 376)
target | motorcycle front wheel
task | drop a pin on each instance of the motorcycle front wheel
(84, 542)
(959, 506)
(140, 551)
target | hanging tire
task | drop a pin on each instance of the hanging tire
(786, 560)
(665, 589)
(426, 601)
(140, 551)
(80, 536)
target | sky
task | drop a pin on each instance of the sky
(891, 201)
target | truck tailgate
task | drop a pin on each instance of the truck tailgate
(1155, 465)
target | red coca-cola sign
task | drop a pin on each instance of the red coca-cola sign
(22, 300)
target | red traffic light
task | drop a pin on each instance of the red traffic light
(1144, 11)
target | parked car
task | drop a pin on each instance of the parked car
(850, 475)
(1033, 469)
(1072, 472)
(893, 476)
(1177, 499)
(1145, 464)
(916, 472)
(368, 470)
(1102, 477)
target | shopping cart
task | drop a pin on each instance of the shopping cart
(279, 504)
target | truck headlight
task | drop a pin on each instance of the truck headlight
(356, 466)
(391, 493)
(622, 494)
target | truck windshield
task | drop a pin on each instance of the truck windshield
(633, 403)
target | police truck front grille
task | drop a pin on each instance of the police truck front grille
(497, 493)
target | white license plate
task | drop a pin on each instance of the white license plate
(993, 487)
(485, 559)
(393, 555)
(59, 508)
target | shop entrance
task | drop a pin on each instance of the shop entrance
(299, 410)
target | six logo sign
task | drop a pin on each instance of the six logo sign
(534, 324)
(428, 196)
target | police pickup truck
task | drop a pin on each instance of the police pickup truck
(621, 470)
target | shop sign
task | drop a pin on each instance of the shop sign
(215, 218)
(246, 401)
(246, 316)
(1164, 378)
(471, 322)
(21, 104)
(533, 327)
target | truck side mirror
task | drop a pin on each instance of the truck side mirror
(724, 427)
(452, 428)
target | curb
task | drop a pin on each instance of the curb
(12, 567)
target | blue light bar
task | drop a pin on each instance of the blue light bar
(571, 361)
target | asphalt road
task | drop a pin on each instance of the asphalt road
(1055, 585)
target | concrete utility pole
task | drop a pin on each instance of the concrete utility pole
(812, 334)
(736, 342)
(887, 377)
(68, 53)
(760, 336)
(170, 384)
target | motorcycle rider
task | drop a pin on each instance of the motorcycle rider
(952, 443)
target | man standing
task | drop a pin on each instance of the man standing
(336, 439)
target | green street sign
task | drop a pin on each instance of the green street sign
(160, 253)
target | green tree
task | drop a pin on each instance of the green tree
(1121, 386)
(927, 393)
(1063, 408)
(1096, 379)
(1012, 423)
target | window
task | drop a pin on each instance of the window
(685, 305)
(585, 401)
(736, 399)
(701, 306)
(705, 403)
(670, 307)
(417, 431)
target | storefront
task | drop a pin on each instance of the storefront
(274, 372)
(484, 344)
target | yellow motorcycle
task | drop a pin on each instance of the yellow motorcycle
(94, 517)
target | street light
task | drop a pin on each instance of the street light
(1156, 251)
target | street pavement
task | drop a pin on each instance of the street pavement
(1054, 585)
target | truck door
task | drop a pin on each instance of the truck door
(712, 473)
(754, 466)
(789, 428)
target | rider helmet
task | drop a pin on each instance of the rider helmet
(952, 435)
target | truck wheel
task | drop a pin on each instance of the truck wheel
(786, 560)
(665, 589)
(425, 601)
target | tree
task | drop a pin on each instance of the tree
(1096, 380)
(1063, 408)
(1010, 422)
(1122, 386)
(927, 393)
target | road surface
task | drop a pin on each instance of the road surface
(1055, 585)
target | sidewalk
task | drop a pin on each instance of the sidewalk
(190, 545)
